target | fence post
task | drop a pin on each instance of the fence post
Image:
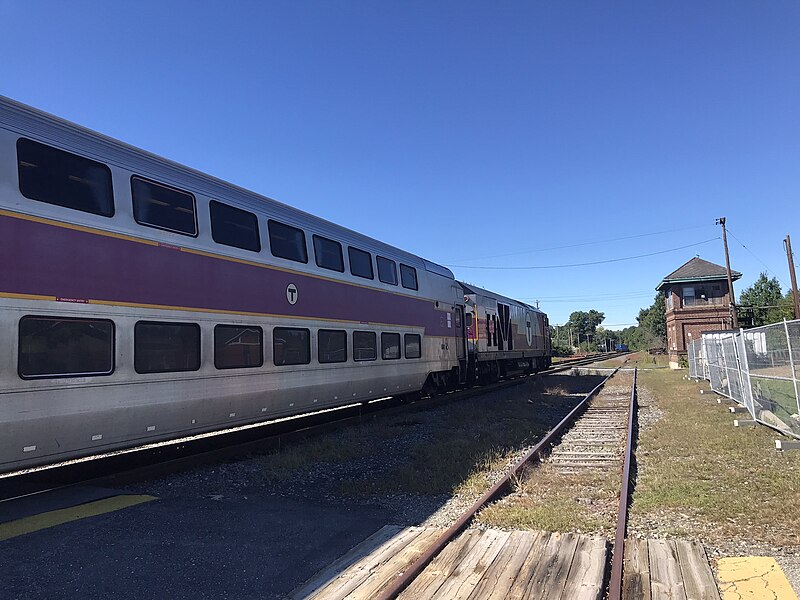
(747, 392)
(791, 363)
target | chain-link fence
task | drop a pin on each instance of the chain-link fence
(758, 368)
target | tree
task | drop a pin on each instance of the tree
(653, 323)
(766, 300)
(584, 324)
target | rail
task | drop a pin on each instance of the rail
(618, 558)
(404, 580)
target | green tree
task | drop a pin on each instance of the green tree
(653, 324)
(584, 325)
(766, 301)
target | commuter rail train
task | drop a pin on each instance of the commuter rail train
(141, 300)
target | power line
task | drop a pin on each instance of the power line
(586, 264)
(590, 297)
(758, 259)
(592, 243)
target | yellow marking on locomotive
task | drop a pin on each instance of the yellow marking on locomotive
(54, 518)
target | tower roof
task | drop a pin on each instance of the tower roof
(697, 269)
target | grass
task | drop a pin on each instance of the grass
(641, 360)
(553, 501)
(474, 439)
(694, 467)
(455, 448)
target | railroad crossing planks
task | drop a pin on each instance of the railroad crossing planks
(667, 570)
(477, 565)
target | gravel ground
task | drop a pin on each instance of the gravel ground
(375, 453)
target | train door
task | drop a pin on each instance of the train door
(460, 338)
(461, 343)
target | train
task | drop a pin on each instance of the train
(141, 301)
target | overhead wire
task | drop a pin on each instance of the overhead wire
(585, 264)
(591, 243)
(774, 274)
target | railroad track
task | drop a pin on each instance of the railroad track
(594, 435)
(161, 459)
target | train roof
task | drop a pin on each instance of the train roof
(26, 120)
(473, 289)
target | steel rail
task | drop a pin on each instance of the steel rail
(403, 581)
(618, 558)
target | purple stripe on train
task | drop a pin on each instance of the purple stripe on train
(49, 260)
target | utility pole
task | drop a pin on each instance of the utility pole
(787, 243)
(734, 317)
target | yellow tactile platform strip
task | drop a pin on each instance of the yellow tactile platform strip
(65, 515)
(753, 578)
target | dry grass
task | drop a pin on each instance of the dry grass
(700, 475)
(472, 440)
(553, 501)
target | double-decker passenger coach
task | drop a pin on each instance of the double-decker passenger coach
(142, 300)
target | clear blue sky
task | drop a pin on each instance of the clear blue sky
(493, 134)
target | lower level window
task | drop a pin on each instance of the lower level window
(390, 345)
(62, 347)
(413, 345)
(365, 345)
(331, 346)
(237, 347)
(291, 346)
(166, 347)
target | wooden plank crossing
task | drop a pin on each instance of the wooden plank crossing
(477, 565)
(667, 570)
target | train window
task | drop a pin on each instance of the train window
(365, 345)
(238, 347)
(163, 207)
(387, 270)
(65, 347)
(331, 346)
(235, 227)
(408, 275)
(413, 345)
(390, 346)
(360, 263)
(287, 242)
(57, 177)
(166, 347)
(291, 346)
(328, 254)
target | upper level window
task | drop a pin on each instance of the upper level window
(360, 263)
(408, 276)
(238, 347)
(166, 347)
(57, 177)
(328, 254)
(387, 270)
(233, 226)
(287, 242)
(64, 347)
(163, 207)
